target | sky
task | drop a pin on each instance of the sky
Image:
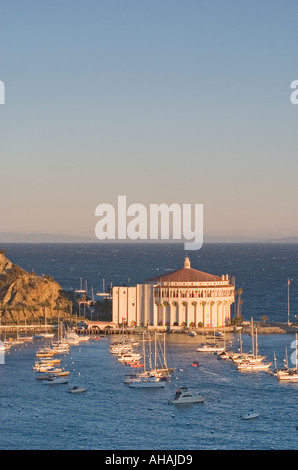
(164, 101)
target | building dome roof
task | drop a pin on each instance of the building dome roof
(186, 274)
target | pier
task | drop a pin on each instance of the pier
(32, 328)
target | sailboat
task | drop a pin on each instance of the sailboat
(289, 374)
(146, 379)
(163, 372)
(253, 362)
(211, 347)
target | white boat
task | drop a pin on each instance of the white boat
(56, 381)
(184, 397)
(43, 376)
(289, 375)
(210, 348)
(84, 338)
(254, 362)
(60, 347)
(250, 415)
(147, 382)
(253, 366)
(25, 338)
(77, 389)
(72, 338)
(130, 357)
(130, 378)
(48, 335)
(248, 357)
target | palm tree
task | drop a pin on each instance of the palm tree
(44, 305)
(239, 303)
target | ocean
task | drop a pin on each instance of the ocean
(261, 270)
(112, 416)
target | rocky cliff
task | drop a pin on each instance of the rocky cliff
(26, 296)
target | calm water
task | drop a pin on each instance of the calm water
(111, 416)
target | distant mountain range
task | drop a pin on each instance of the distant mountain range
(12, 237)
(286, 240)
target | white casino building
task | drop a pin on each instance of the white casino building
(186, 297)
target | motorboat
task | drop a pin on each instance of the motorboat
(248, 357)
(44, 354)
(42, 375)
(77, 389)
(253, 366)
(147, 382)
(130, 357)
(130, 378)
(56, 381)
(48, 364)
(183, 397)
(195, 364)
(290, 375)
(84, 337)
(250, 415)
(26, 338)
(210, 348)
(225, 355)
(72, 338)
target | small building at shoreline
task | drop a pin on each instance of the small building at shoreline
(186, 297)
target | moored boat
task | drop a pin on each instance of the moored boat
(56, 381)
(250, 415)
(147, 382)
(77, 389)
(184, 397)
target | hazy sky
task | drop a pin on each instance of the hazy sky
(161, 100)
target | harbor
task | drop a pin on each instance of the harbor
(182, 386)
(228, 394)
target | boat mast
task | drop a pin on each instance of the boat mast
(289, 301)
(286, 359)
(240, 342)
(252, 336)
(150, 358)
(256, 342)
(144, 352)
(164, 351)
(296, 353)
(155, 351)
(275, 368)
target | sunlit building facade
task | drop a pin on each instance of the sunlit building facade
(186, 297)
